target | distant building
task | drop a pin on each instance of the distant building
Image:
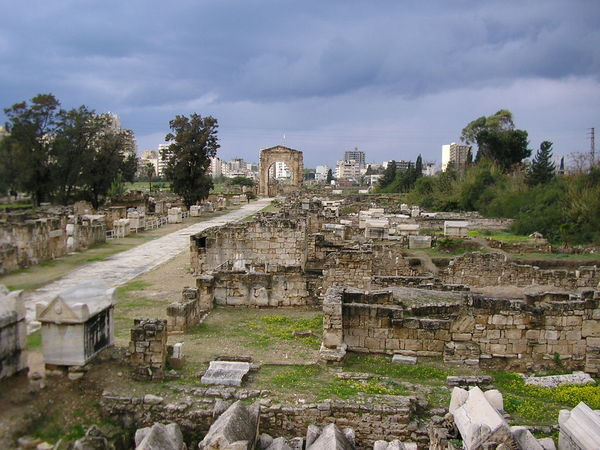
(428, 169)
(321, 173)
(165, 155)
(347, 170)
(400, 164)
(150, 157)
(456, 154)
(216, 167)
(355, 155)
(282, 171)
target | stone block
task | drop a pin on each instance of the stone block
(228, 373)
(579, 428)
(406, 360)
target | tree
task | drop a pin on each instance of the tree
(241, 181)
(542, 168)
(501, 121)
(103, 168)
(28, 147)
(193, 142)
(72, 150)
(389, 175)
(497, 139)
(329, 176)
(129, 167)
(506, 148)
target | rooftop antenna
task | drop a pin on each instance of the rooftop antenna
(284, 143)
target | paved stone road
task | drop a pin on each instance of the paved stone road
(125, 266)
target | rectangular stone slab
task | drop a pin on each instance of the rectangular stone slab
(229, 373)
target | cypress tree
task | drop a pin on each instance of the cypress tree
(542, 168)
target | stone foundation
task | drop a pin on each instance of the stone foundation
(493, 269)
(480, 331)
(378, 417)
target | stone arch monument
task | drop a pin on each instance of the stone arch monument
(269, 156)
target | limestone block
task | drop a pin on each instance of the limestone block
(332, 437)
(552, 381)
(229, 373)
(400, 359)
(477, 420)
(590, 328)
(579, 428)
(525, 439)
(159, 436)
(238, 423)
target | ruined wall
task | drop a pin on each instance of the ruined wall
(29, 242)
(13, 333)
(357, 267)
(148, 349)
(268, 242)
(491, 269)
(285, 288)
(489, 332)
(376, 417)
(188, 312)
(530, 246)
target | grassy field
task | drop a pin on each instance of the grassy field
(504, 236)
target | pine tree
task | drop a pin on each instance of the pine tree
(542, 168)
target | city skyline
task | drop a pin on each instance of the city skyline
(395, 80)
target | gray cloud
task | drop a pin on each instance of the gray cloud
(379, 74)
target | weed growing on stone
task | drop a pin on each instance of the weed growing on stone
(34, 340)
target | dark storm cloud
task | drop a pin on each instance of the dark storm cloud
(296, 65)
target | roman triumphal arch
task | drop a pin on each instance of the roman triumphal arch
(294, 161)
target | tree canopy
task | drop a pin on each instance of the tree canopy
(193, 142)
(542, 168)
(497, 139)
(60, 155)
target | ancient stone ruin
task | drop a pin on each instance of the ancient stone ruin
(13, 333)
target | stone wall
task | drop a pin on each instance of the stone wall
(357, 267)
(377, 417)
(492, 269)
(188, 312)
(28, 242)
(267, 242)
(148, 349)
(13, 333)
(487, 332)
(530, 246)
(289, 287)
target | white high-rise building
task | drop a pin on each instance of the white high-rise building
(456, 154)
(321, 173)
(282, 171)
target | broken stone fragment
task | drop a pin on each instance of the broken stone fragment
(238, 424)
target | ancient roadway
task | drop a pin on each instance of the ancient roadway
(125, 266)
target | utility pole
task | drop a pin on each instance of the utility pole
(592, 146)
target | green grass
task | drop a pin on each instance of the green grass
(504, 236)
(137, 285)
(383, 365)
(318, 382)
(264, 332)
(534, 405)
(16, 206)
(34, 340)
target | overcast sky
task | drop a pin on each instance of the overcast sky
(393, 78)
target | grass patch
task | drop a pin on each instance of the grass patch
(504, 236)
(16, 206)
(267, 330)
(382, 365)
(560, 256)
(537, 405)
(137, 285)
(373, 386)
(34, 340)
